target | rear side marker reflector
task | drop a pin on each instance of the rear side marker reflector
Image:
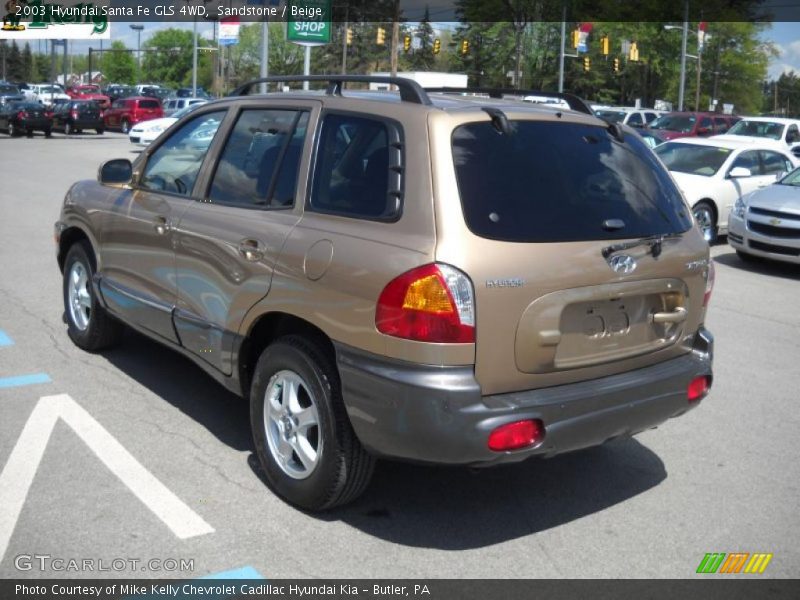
(709, 282)
(514, 436)
(698, 388)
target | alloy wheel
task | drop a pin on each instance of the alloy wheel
(291, 423)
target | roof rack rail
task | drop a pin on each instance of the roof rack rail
(575, 103)
(410, 90)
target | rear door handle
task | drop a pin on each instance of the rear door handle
(252, 250)
(677, 316)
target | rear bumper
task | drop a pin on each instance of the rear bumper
(438, 415)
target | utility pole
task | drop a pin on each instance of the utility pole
(563, 44)
(64, 64)
(395, 38)
(682, 85)
(138, 29)
(345, 28)
(775, 88)
(699, 70)
(264, 71)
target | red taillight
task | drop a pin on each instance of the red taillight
(513, 436)
(709, 282)
(432, 303)
(73, 114)
(698, 388)
(48, 114)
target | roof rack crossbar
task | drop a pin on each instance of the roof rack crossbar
(410, 90)
(575, 103)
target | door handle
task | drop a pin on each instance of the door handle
(251, 250)
(160, 225)
(677, 316)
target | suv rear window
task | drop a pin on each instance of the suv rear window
(148, 104)
(558, 182)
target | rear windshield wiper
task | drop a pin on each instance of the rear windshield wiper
(653, 241)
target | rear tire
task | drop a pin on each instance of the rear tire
(12, 130)
(67, 128)
(125, 126)
(706, 219)
(296, 409)
(89, 326)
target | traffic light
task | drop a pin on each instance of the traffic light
(464, 47)
(604, 45)
(406, 43)
(587, 64)
(616, 65)
(576, 38)
(634, 52)
(349, 36)
(380, 38)
(437, 46)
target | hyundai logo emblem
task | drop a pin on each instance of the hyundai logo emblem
(622, 263)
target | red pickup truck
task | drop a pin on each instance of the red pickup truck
(89, 92)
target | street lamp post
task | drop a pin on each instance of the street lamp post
(138, 29)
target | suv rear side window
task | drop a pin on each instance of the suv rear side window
(358, 167)
(148, 104)
(558, 182)
(259, 164)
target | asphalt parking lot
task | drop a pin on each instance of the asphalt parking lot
(137, 455)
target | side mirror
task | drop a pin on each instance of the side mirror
(116, 172)
(779, 176)
(703, 131)
(739, 172)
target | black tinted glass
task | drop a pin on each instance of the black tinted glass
(551, 182)
(259, 164)
(352, 176)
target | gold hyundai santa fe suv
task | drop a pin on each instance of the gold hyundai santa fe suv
(454, 278)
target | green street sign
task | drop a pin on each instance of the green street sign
(308, 22)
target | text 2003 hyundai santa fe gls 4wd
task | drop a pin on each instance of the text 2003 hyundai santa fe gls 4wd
(453, 279)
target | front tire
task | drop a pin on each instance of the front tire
(48, 132)
(125, 126)
(89, 326)
(706, 219)
(68, 129)
(12, 130)
(100, 130)
(303, 437)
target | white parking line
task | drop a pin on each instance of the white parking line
(19, 471)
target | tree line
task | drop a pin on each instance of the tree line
(734, 60)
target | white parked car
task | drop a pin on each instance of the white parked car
(635, 117)
(47, 93)
(713, 174)
(766, 223)
(780, 133)
(145, 132)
